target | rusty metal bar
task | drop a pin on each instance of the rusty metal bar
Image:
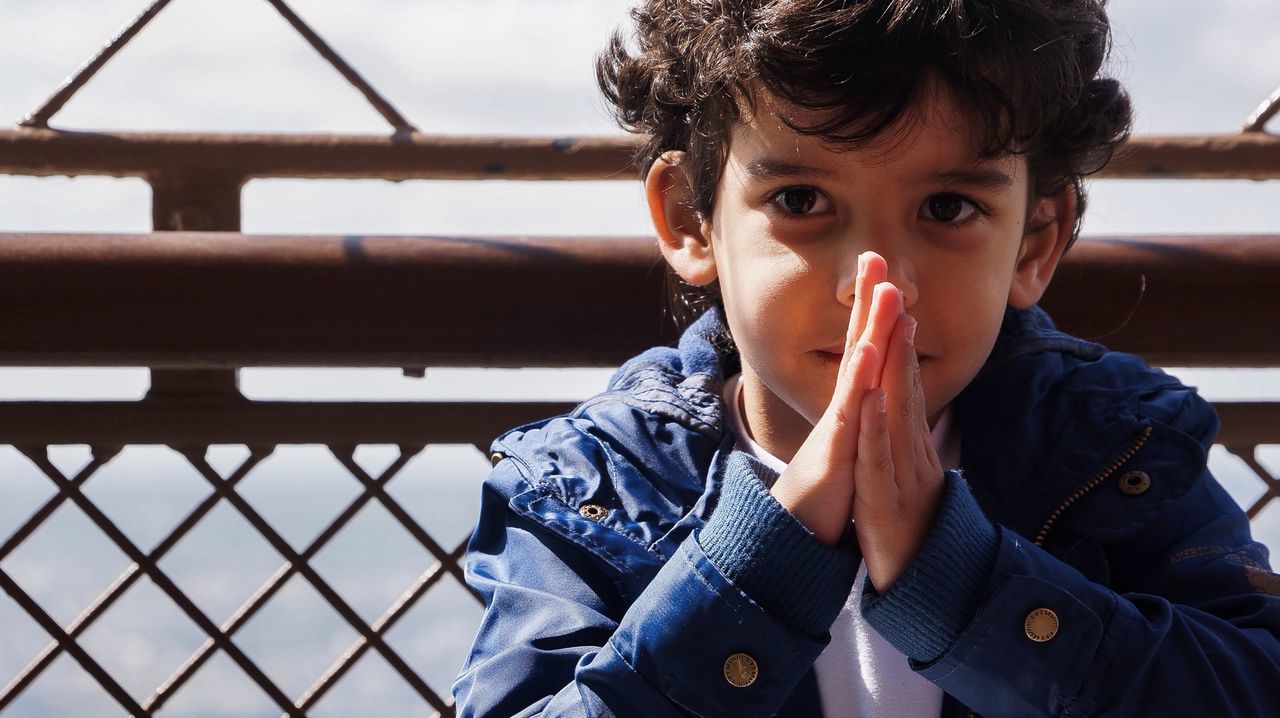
(1257, 121)
(381, 104)
(44, 152)
(99, 456)
(384, 622)
(37, 665)
(326, 591)
(62, 639)
(1248, 423)
(445, 562)
(224, 490)
(210, 300)
(161, 581)
(41, 117)
(92, 667)
(263, 422)
(377, 489)
(406, 423)
(199, 202)
(1249, 454)
(1252, 156)
(399, 157)
(123, 582)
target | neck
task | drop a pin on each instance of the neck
(770, 421)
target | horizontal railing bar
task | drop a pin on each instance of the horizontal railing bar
(257, 423)
(393, 157)
(404, 156)
(217, 300)
(407, 423)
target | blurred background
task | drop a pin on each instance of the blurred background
(452, 67)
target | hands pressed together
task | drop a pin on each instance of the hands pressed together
(870, 458)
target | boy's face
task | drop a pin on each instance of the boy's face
(791, 216)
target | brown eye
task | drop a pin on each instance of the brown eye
(800, 201)
(948, 208)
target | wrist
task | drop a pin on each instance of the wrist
(771, 556)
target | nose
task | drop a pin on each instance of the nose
(901, 271)
(902, 274)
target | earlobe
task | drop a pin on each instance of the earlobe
(683, 236)
(1048, 233)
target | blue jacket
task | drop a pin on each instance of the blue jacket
(625, 552)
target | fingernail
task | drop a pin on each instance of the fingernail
(882, 402)
(909, 331)
(862, 262)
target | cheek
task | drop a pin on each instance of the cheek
(763, 286)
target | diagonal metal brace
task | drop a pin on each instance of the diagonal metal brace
(1257, 122)
(40, 118)
(384, 107)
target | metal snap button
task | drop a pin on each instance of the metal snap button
(1041, 625)
(1135, 483)
(594, 512)
(740, 670)
(495, 457)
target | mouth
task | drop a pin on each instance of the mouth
(830, 355)
(833, 356)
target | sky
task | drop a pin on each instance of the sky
(519, 67)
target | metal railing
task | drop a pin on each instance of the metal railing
(195, 300)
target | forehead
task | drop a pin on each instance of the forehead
(936, 135)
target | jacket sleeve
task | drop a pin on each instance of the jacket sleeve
(561, 636)
(1194, 630)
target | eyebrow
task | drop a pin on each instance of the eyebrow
(766, 169)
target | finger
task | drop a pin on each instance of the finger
(913, 447)
(846, 403)
(886, 306)
(872, 270)
(874, 485)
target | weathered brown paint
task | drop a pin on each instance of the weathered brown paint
(222, 300)
(410, 155)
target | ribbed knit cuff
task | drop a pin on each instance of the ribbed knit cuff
(927, 608)
(759, 546)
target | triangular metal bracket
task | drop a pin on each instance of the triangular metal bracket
(40, 118)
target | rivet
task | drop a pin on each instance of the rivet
(1135, 483)
(495, 457)
(594, 512)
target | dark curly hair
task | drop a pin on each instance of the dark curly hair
(1027, 69)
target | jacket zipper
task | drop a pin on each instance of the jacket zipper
(1119, 461)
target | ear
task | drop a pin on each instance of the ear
(683, 236)
(1048, 233)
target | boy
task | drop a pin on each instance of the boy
(873, 479)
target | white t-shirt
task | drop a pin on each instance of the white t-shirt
(860, 674)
